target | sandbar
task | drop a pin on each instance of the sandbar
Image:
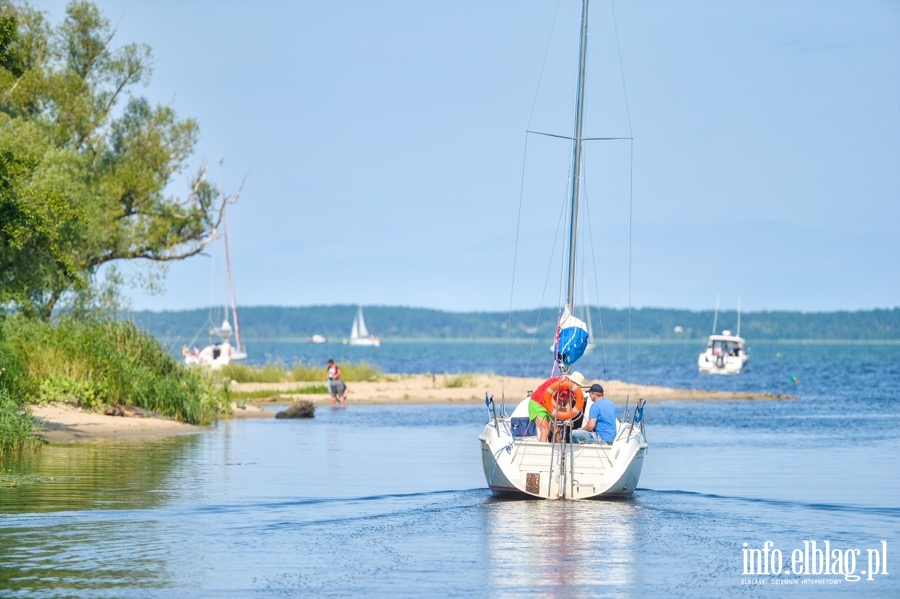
(65, 422)
(438, 388)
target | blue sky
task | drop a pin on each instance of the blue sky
(383, 145)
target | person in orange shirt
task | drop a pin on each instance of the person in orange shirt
(542, 406)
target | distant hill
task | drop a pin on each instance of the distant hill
(403, 323)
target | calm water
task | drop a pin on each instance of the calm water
(390, 501)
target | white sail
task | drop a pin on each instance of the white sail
(359, 334)
(359, 326)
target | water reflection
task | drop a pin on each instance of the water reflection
(86, 523)
(561, 548)
(100, 474)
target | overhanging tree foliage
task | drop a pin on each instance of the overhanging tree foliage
(85, 162)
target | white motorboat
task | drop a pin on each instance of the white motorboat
(725, 353)
(515, 461)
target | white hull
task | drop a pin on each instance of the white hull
(710, 364)
(526, 466)
(215, 356)
(366, 342)
(724, 354)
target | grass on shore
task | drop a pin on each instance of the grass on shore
(16, 423)
(276, 374)
(299, 373)
(92, 364)
(268, 394)
(459, 381)
(279, 373)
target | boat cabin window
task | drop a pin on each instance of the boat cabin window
(721, 347)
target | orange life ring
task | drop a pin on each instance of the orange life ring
(567, 385)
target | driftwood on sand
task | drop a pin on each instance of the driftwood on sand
(117, 409)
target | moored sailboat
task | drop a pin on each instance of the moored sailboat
(220, 350)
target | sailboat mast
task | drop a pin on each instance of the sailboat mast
(237, 325)
(574, 184)
(716, 315)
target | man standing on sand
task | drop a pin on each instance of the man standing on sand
(336, 387)
(333, 373)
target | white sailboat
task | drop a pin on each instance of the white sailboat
(514, 460)
(359, 334)
(725, 353)
(220, 350)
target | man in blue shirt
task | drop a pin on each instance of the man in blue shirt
(601, 421)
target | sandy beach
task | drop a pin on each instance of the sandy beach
(61, 422)
(65, 422)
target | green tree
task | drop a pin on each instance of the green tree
(85, 162)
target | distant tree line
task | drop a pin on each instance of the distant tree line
(391, 322)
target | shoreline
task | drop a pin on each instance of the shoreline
(65, 422)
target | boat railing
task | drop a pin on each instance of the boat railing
(492, 416)
(491, 408)
(637, 418)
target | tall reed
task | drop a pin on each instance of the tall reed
(96, 363)
(16, 423)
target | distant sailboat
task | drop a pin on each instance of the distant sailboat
(359, 334)
(220, 351)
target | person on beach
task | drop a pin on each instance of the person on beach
(334, 373)
(543, 406)
(601, 419)
(338, 392)
(337, 389)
